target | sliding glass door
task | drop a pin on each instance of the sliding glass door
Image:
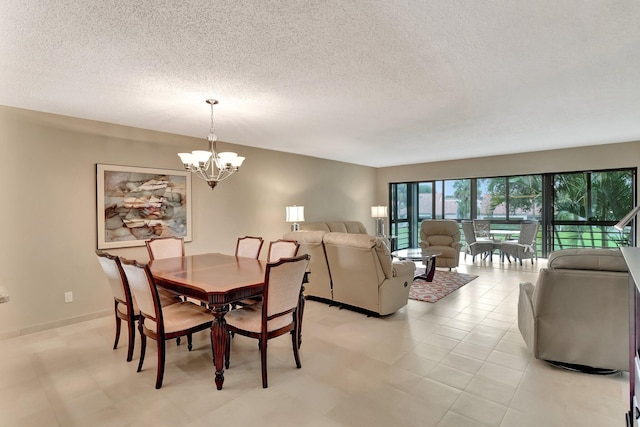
(575, 209)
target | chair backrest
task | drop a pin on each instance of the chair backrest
(115, 276)
(482, 227)
(528, 232)
(319, 283)
(282, 249)
(282, 285)
(145, 292)
(249, 246)
(469, 232)
(165, 247)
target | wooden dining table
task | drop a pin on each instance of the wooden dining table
(217, 280)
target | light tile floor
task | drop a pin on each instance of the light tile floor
(456, 363)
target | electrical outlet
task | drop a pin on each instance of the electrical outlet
(68, 296)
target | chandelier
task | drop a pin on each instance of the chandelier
(212, 166)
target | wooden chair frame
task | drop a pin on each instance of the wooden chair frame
(240, 241)
(264, 335)
(160, 335)
(130, 317)
(275, 243)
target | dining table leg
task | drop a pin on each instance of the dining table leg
(300, 313)
(219, 338)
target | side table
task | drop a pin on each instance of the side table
(416, 254)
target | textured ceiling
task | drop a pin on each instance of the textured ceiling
(377, 83)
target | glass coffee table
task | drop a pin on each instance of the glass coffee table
(416, 254)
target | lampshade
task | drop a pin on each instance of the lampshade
(627, 219)
(295, 213)
(378, 211)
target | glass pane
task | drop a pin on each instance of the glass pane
(401, 201)
(587, 236)
(570, 197)
(457, 199)
(525, 197)
(438, 194)
(611, 196)
(491, 194)
(425, 200)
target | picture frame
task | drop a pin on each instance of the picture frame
(135, 204)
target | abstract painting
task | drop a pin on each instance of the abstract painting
(136, 204)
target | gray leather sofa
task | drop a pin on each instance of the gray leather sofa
(578, 311)
(354, 268)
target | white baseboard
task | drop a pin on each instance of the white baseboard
(56, 324)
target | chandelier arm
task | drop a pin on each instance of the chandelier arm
(213, 170)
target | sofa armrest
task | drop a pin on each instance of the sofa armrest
(527, 316)
(424, 244)
(400, 268)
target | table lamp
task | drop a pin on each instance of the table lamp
(379, 213)
(295, 214)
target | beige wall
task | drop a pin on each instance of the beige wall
(48, 214)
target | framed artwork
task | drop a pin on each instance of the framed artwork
(135, 204)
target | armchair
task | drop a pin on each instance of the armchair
(525, 247)
(442, 235)
(577, 314)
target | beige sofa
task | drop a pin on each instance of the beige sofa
(355, 227)
(310, 239)
(578, 311)
(355, 269)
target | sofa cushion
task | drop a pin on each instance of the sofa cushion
(588, 259)
(355, 227)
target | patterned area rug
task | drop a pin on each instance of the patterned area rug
(444, 282)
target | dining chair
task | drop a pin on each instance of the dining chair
(282, 248)
(475, 247)
(278, 313)
(125, 306)
(162, 323)
(526, 245)
(249, 246)
(165, 247)
(123, 301)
